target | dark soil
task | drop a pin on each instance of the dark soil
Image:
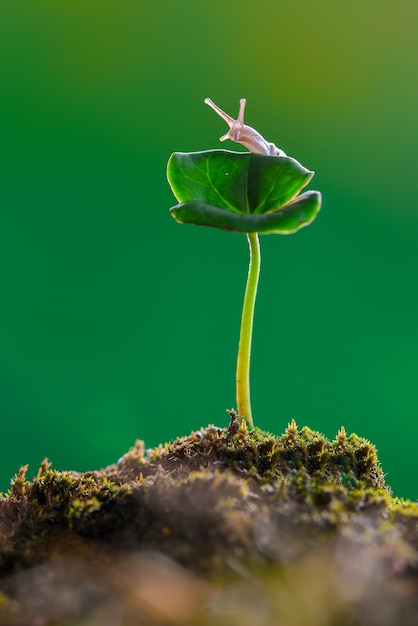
(225, 526)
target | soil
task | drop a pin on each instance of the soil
(223, 527)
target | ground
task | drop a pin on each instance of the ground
(224, 526)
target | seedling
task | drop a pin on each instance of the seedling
(245, 192)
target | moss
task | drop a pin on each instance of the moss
(208, 499)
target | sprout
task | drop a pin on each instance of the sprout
(245, 192)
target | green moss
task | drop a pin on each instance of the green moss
(215, 495)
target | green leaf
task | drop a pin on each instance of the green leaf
(241, 191)
(298, 213)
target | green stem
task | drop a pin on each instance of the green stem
(244, 350)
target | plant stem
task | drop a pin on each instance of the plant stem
(244, 350)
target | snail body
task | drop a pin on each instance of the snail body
(243, 134)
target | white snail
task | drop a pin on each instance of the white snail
(245, 135)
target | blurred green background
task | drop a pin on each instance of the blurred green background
(116, 322)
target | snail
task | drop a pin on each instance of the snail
(243, 134)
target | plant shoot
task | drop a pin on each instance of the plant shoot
(246, 192)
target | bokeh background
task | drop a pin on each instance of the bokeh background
(116, 323)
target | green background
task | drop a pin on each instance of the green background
(117, 323)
